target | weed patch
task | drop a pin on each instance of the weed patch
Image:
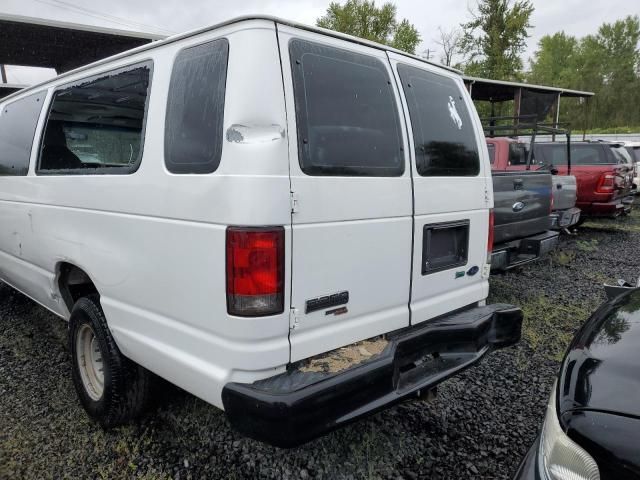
(587, 245)
(563, 257)
(549, 324)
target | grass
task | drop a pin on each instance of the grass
(566, 256)
(621, 130)
(624, 224)
(599, 277)
(549, 323)
(369, 452)
(563, 257)
(607, 225)
(587, 245)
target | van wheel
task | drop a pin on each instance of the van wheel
(111, 388)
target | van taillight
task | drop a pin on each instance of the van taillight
(255, 271)
(606, 183)
(492, 223)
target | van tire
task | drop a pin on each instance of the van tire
(125, 384)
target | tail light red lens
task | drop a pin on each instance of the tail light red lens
(492, 224)
(255, 271)
(606, 183)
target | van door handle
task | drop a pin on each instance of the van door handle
(559, 186)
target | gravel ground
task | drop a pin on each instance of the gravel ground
(480, 425)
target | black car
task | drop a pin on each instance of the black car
(592, 426)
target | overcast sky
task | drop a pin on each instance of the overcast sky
(575, 17)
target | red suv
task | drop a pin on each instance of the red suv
(603, 171)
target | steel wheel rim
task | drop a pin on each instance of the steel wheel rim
(90, 364)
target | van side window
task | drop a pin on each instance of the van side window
(443, 135)
(195, 108)
(18, 122)
(346, 113)
(96, 125)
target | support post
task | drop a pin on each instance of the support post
(517, 97)
(588, 123)
(492, 122)
(555, 114)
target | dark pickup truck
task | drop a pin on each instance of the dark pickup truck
(513, 155)
(522, 214)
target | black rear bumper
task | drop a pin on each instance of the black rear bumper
(295, 407)
(525, 250)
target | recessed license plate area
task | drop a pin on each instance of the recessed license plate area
(444, 246)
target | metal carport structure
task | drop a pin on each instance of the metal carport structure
(528, 99)
(63, 46)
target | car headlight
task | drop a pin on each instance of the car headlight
(560, 457)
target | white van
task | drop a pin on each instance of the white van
(290, 223)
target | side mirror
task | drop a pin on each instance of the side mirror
(554, 170)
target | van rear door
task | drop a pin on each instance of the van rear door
(452, 195)
(352, 198)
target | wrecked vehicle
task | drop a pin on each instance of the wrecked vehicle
(603, 171)
(591, 430)
(231, 207)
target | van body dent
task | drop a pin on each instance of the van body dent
(230, 207)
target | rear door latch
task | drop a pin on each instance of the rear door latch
(293, 318)
(294, 202)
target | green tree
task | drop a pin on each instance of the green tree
(554, 62)
(606, 63)
(495, 38)
(618, 85)
(364, 19)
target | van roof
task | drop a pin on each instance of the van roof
(181, 36)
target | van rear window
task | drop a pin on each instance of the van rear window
(346, 113)
(17, 127)
(444, 138)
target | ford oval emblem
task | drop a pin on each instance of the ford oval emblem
(517, 207)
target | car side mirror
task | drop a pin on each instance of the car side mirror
(554, 170)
